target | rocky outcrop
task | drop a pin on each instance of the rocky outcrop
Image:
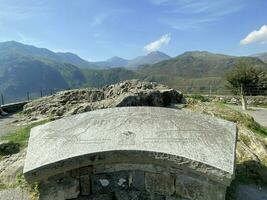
(127, 93)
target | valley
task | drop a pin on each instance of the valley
(26, 71)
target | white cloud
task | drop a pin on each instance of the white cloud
(156, 45)
(256, 36)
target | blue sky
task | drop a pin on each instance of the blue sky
(99, 29)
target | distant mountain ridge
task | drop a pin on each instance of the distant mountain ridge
(25, 68)
(196, 70)
(112, 62)
(151, 58)
(262, 56)
(16, 48)
(196, 64)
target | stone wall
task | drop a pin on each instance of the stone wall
(251, 100)
(126, 182)
(14, 107)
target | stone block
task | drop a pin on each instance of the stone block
(67, 188)
(196, 189)
(138, 180)
(109, 182)
(175, 198)
(159, 183)
(85, 170)
(137, 195)
(169, 137)
(84, 185)
(100, 197)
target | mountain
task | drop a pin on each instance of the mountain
(262, 56)
(16, 48)
(196, 69)
(117, 62)
(151, 58)
(22, 74)
(113, 62)
(25, 68)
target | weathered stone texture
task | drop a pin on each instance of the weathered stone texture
(130, 134)
(127, 93)
(145, 153)
(84, 185)
(137, 180)
(65, 188)
(111, 182)
(159, 183)
(197, 189)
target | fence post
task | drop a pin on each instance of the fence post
(41, 93)
(210, 89)
(2, 98)
(51, 91)
(28, 96)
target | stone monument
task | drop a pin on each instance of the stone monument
(133, 153)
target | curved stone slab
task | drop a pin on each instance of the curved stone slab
(162, 136)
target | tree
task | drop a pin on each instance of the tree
(245, 79)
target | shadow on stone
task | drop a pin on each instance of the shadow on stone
(249, 172)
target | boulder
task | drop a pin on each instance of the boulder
(127, 93)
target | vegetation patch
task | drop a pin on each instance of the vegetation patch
(21, 136)
(235, 116)
(8, 148)
(31, 188)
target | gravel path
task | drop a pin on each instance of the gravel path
(251, 192)
(14, 194)
(6, 125)
(259, 114)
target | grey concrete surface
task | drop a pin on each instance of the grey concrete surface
(131, 134)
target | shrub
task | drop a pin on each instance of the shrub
(9, 148)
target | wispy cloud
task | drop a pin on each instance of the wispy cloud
(156, 45)
(195, 13)
(17, 10)
(99, 19)
(256, 36)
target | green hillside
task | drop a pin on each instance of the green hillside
(20, 75)
(26, 68)
(100, 78)
(16, 48)
(195, 71)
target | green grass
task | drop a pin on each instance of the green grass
(235, 116)
(22, 135)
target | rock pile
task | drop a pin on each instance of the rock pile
(127, 93)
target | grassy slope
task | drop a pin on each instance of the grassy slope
(251, 163)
